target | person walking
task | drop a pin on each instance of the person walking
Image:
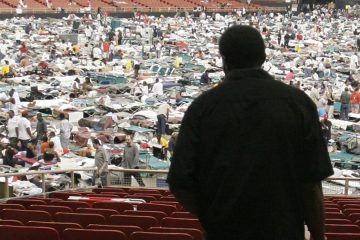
(131, 161)
(13, 129)
(101, 162)
(65, 131)
(345, 104)
(244, 171)
(25, 134)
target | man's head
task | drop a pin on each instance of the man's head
(24, 114)
(242, 47)
(96, 143)
(51, 134)
(39, 116)
(11, 113)
(128, 140)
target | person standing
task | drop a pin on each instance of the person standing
(24, 131)
(222, 169)
(41, 129)
(162, 116)
(330, 102)
(13, 129)
(345, 104)
(158, 88)
(101, 162)
(131, 161)
(65, 131)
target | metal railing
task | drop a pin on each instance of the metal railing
(157, 179)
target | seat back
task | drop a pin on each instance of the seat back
(350, 211)
(128, 230)
(28, 233)
(335, 216)
(72, 204)
(26, 202)
(159, 236)
(11, 206)
(342, 236)
(339, 228)
(104, 195)
(25, 216)
(146, 198)
(143, 191)
(337, 221)
(157, 196)
(195, 233)
(118, 206)
(168, 199)
(352, 206)
(52, 210)
(168, 209)
(105, 190)
(11, 222)
(156, 214)
(83, 219)
(183, 215)
(144, 222)
(181, 223)
(354, 217)
(329, 210)
(58, 226)
(104, 212)
(63, 195)
(93, 234)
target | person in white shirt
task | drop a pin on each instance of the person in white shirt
(13, 129)
(65, 131)
(24, 130)
(97, 53)
(144, 89)
(57, 143)
(354, 62)
(162, 116)
(11, 106)
(158, 88)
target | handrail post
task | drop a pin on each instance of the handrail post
(346, 187)
(72, 180)
(43, 184)
(6, 187)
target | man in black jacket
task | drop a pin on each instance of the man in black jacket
(250, 155)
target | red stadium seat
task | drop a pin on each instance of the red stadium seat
(339, 228)
(28, 233)
(184, 215)
(104, 212)
(118, 206)
(157, 196)
(343, 203)
(354, 217)
(58, 226)
(330, 210)
(103, 195)
(50, 209)
(168, 199)
(168, 209)
(83, 219)
(331, 205)
(337, 221)
(104, 190)
(47, 200)
(63, 195)
(144, 222)
(160, 236)
(117, 194)
(147, 198)
(335, 216)
(72, 204)
(144, 191)
(195, 233)
(25, 215)
(11, 206)
(343, 236)
(175, 204)
(181, 223)
(156, 214)
(352, 206)
(11, 222)
(93, 234)
(350, 211)
(128, 230)
(26, 202)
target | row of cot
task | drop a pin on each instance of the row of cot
(155, 220)
(342, 218)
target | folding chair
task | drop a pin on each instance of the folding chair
(28, 233)
(118, 206)
(11, 206)
(168, 209)
(26, 202)
(52, 210)
(83, 219)
(156, 214)
(25, 216)
(93, 234)
(11, 222)
(339, 228)
(181, 223)
(342, 236)
(195, 233)
(128, 230)
(144, 222)
(58, 226)
(72, 204)
(159, 236)
(106, 213)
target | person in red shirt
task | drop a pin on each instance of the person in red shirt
(355, 100)
(106, 49)
(23, 49)
(290, 75)
(299, 37)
